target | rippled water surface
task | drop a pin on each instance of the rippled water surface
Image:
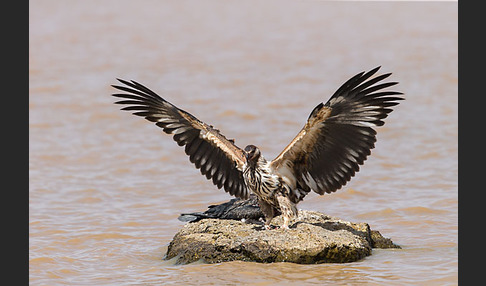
(106, 187)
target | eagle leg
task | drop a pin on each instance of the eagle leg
(268, 212)
(288, 209)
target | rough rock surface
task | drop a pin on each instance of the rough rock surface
(313, 238)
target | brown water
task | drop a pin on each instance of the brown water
(106, 187)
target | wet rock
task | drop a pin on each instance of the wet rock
(313, 238)
(378, 241)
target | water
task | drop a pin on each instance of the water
(106, 187)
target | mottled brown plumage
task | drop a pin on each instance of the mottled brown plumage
(337, 137)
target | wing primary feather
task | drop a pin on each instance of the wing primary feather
(350, 83)
(356, 81)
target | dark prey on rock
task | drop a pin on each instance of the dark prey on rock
(237, 209)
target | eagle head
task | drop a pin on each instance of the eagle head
(252, 153)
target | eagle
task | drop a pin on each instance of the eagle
(336, 139)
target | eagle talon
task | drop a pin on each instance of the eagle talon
(270, 227)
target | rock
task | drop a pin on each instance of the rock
(378, 241)
(313, 238)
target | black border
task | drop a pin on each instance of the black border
(471, 110)
(15, 140)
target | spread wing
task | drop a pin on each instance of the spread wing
(217, 157)
(338, 136)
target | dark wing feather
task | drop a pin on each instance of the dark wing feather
(338, 135)
(213, 154)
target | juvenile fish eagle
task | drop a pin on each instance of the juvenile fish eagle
(337, 138)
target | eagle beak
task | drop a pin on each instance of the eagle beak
(247, 155)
